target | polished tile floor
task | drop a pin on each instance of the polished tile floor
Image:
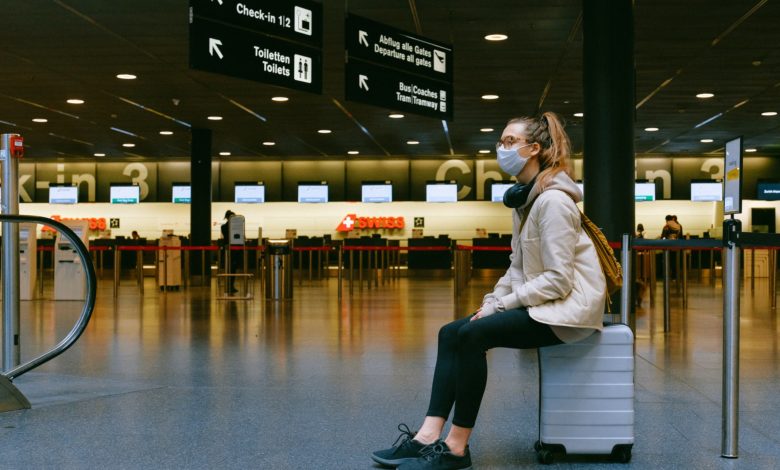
(182, 380)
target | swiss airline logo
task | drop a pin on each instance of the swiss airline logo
(352, 222)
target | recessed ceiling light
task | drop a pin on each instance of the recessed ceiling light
(353, 152)
(225, 154)
(412, 142)
(489, 97)
(126, 76)
(651, 129)
(40, 120)
(769, 113)
(706, 141)
(395, 116)
(484, 151)
(324, 131)
(496, 37)
(268, 143)
(280, 99)
(214, 118)
(704, 96)
(579, 114)
(750, 150)
(166, 132)
(486, 129)
(100, 154)
(128, 145)
(75, 101)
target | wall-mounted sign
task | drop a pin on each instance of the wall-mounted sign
(394, 69)
(732, 183)
(352, 222)
(234, 39)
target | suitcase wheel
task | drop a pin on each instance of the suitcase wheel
(622, 453)
(546, 456)
(538, 446)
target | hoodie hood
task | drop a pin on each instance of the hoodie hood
(562, 182)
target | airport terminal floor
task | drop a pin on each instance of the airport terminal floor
(184, 380)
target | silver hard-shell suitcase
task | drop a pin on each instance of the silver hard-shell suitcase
(586, 396)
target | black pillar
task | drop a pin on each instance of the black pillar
(608, 89)
(200, 205)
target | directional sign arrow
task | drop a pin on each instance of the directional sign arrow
(363, 37)
(214, 47)
(363, 82)
(218, 1)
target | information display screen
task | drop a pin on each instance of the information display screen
(498, 189)
(312, 192)
(706, 190)
(732, 185)
(63, 194)
(441, 192)
(644, 191)
(181, 193)
(249, 193)
(768, 190)
(376, 191)
(125, 194)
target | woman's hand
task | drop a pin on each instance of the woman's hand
(487, 309)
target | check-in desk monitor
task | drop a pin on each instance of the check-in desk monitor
(376, 191)
(644, 191)
(249, 193)
(706, 190)
(498, 188)
(70, 282)
(181, 193)
(28, 257)
(768, 190)
(63, 194)
(124, 193)
(441, 191)
(315, 192)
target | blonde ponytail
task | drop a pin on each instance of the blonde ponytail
(547, 130)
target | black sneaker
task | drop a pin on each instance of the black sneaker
(407, 451)
(438, 457)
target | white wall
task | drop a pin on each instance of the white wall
(458, 220)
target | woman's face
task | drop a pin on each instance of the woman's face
(514, 137)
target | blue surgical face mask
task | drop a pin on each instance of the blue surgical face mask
(510, 160)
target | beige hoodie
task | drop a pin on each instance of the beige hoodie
(554, 269)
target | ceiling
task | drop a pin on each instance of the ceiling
(54, 50)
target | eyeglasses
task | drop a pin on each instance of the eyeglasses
(509, 141)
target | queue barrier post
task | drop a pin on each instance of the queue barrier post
(340, 274)
(730, 402)
(117, 270)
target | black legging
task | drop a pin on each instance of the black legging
(461, 366)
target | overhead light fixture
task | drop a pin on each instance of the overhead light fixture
(128, 145)
(395, 116)
(412, 142)
(704, 96)
(706, 141)
(769, 113)
(496, 37)
(579, 114)
(40, 120)
(489, 97)
(324, 131)
(651, 129)
(126, 76)
(353, 152)
(486, 129)
(100, 154)
(214, 118)
(75, 101)
(750, 150)
(224, 154)
(484, 151)
(166, 132)
(280, 99)
(268, 143)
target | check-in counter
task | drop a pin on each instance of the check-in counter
(423, 259)
(491, 259)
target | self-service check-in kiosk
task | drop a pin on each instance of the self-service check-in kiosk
(236, 226)
(28, 257)
(69, 278)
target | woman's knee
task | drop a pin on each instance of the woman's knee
(449, 332)
(470, 337)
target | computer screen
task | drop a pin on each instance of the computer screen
(313, 192)
(181, 193)
(644, 191)
(441, 192)
(768, 190)
(707, 190)
(497, 190)
(125, 194)
(63, 194)
(249, 193)
(376, 191)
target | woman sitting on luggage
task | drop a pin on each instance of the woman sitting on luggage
(553, 292)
